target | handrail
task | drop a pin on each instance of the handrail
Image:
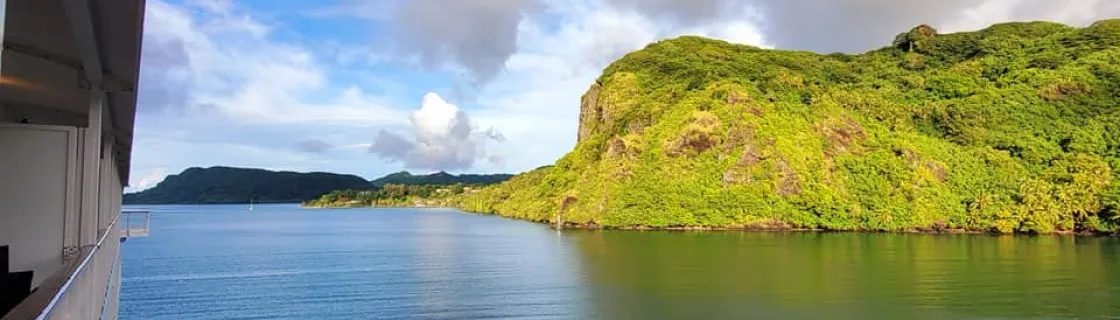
(68, 267)
(78, 272)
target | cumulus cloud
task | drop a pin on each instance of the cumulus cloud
(443, 139)
(559, 48)
(476, 35)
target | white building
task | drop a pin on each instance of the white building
(68, 78)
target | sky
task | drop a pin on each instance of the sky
(370, 87)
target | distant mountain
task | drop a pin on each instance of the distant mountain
(238, 185)
(406, 178)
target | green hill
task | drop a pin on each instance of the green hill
(1014, 128)
(439, 178)
(238, 185)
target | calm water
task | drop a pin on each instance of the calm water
(283, 262)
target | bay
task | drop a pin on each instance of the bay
(285, 262)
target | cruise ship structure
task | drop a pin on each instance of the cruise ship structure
(68, 81)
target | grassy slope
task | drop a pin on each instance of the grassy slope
(1014, 128)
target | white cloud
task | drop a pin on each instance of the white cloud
(735, 32)
(149, 179)
(229, 65)
(986, 13)
(219, 87)
(444, 138)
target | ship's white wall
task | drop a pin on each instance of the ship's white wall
(91, 172)
(74, 197)
(105, 206)
(36, 169)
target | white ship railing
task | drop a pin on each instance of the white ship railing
(86, 285)
(135, 223)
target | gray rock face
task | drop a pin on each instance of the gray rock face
(588, 111)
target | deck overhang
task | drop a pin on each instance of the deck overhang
(56, 54)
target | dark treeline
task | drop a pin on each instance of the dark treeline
(392, 195)
(241, 185)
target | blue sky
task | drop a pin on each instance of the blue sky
(482, 86)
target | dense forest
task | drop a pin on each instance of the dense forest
(393, 195)
(439, 178)
(1014, 128)
(403, 189)
(239, 185)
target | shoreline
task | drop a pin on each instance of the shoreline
(751, 228)
(204, 203)
(374, 207)
(573, 226)
(755, 228)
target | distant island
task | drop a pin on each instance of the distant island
(403, 189)
(217, 185)
(240, 185)
(395, 195)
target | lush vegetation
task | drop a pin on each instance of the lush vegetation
(393, 195)
(439, 178)
(403, 189)
(1014, 128)
(240, 185)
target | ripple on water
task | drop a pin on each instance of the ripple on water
(282, 262)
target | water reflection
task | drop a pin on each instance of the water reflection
(847, 276)
(282, 262)
(434, 262)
